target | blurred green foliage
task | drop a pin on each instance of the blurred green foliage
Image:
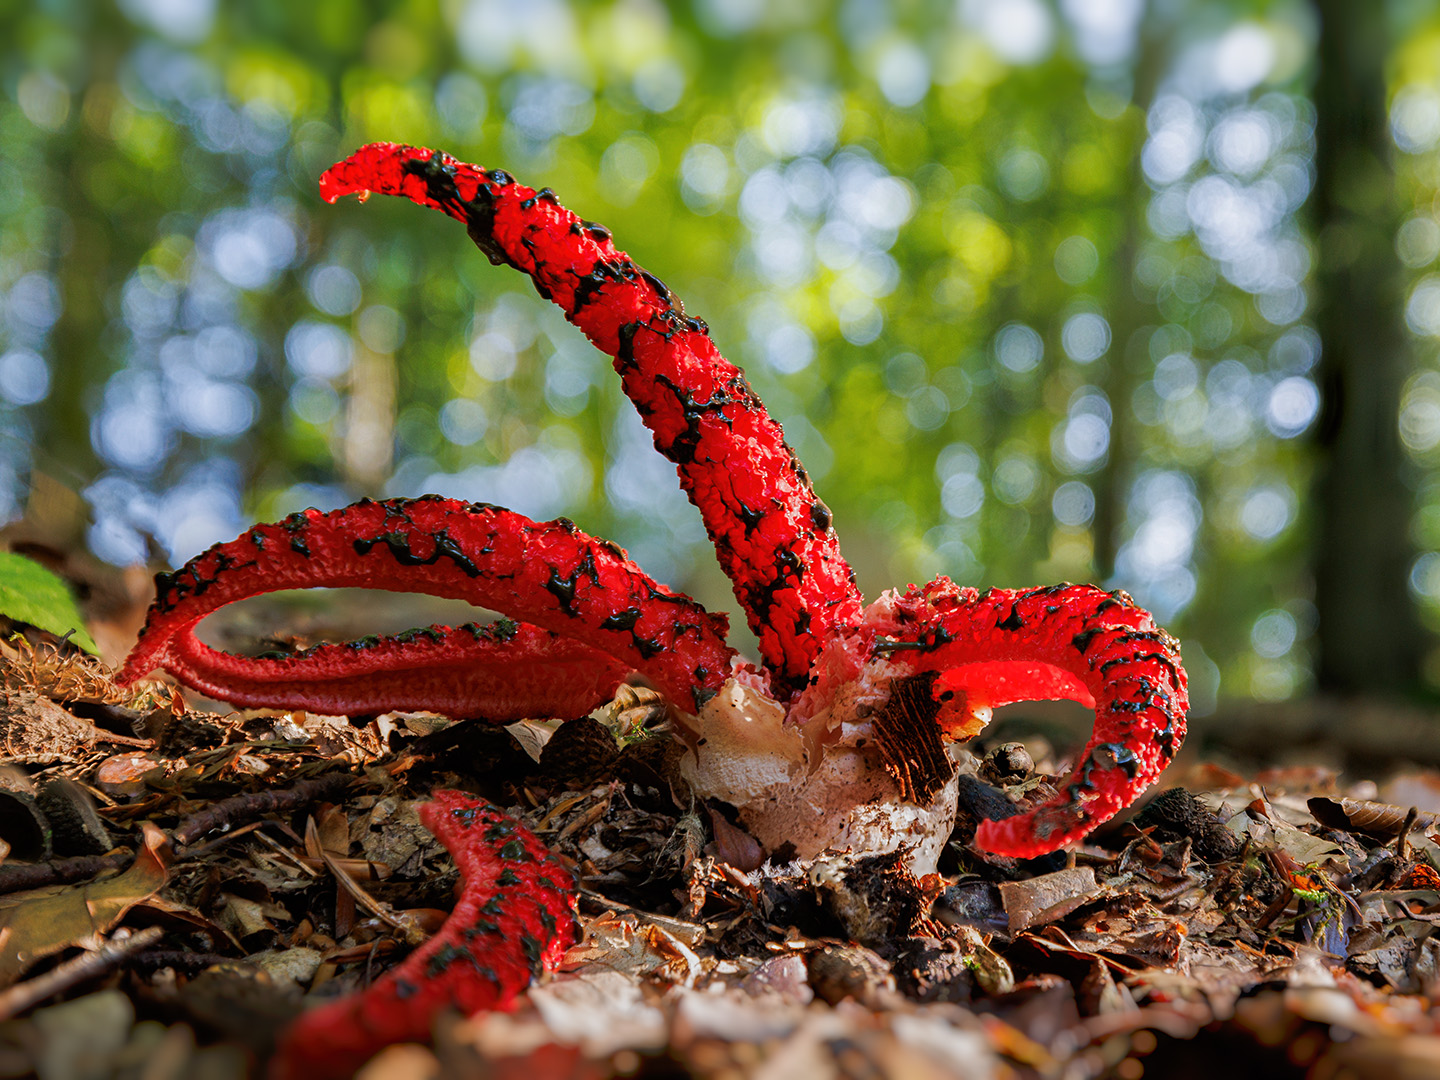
(1026, 283)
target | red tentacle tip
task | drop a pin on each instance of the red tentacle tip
(363, 170)
(515, 918)
(1026, 837)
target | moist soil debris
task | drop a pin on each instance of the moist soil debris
(252, 861)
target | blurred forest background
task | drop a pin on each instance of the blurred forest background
(1142, 292)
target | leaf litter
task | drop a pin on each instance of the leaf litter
(261, 859)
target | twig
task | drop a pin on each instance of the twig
(397, 920)
(16, 878)
(101, 735)
(1274, 911)
(228, 812)
(85, 966)
(687, 932)
(286, 854)
(1402, 842)
(224, 838)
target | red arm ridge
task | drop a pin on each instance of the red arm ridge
(502, 672)
(515, 918)
(546, 573)
(1065, 641)
(772, 534)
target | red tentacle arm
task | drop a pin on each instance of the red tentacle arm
(1066, 641)
(500, 672)
(549, 574)
(515, 918)
(772, 534)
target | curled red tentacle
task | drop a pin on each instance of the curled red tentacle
(546, 573)
(515, 918)
(1064, 641)
(772, 534)
(500, 672)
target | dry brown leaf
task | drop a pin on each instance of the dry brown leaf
(1305, 848)
(622, 943)
(333, 827)
(532, 735)
(176, 916)
(288, 967)
(601, 1012)
(351, 892)
(244, 916)
(1362, 815)
(42, 925)
(393, 836)
(1026, 902)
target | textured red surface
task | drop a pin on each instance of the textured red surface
(1076, 642)
(467, 671)
(549, 574)
(772, 534)
(590, 616)
(514, 918)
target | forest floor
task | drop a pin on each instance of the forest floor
(176, 881)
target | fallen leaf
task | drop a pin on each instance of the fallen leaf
(243, 916)
(621, 943)
(1026, 901)
(41, 925)
(532, 735)
(1305, 848)
(288, 967)
(1362, 815)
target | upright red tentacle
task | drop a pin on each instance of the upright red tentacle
(772, 534)
(514, 919)
(500, 672)
(546, 573)
(1064, 641)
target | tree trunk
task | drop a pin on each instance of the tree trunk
(1369, 636)
(1129, 315)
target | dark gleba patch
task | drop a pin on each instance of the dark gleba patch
(908, 738)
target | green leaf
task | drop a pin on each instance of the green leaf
(31, 594)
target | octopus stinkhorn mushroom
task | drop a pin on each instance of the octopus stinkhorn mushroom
(581, 617)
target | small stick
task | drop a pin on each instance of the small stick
(101, 735)
(285, 853)
(224, 838)
(17, 878)
(1402, 842)
(87, 965)
(228, 812)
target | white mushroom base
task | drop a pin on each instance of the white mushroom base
(800, 791)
